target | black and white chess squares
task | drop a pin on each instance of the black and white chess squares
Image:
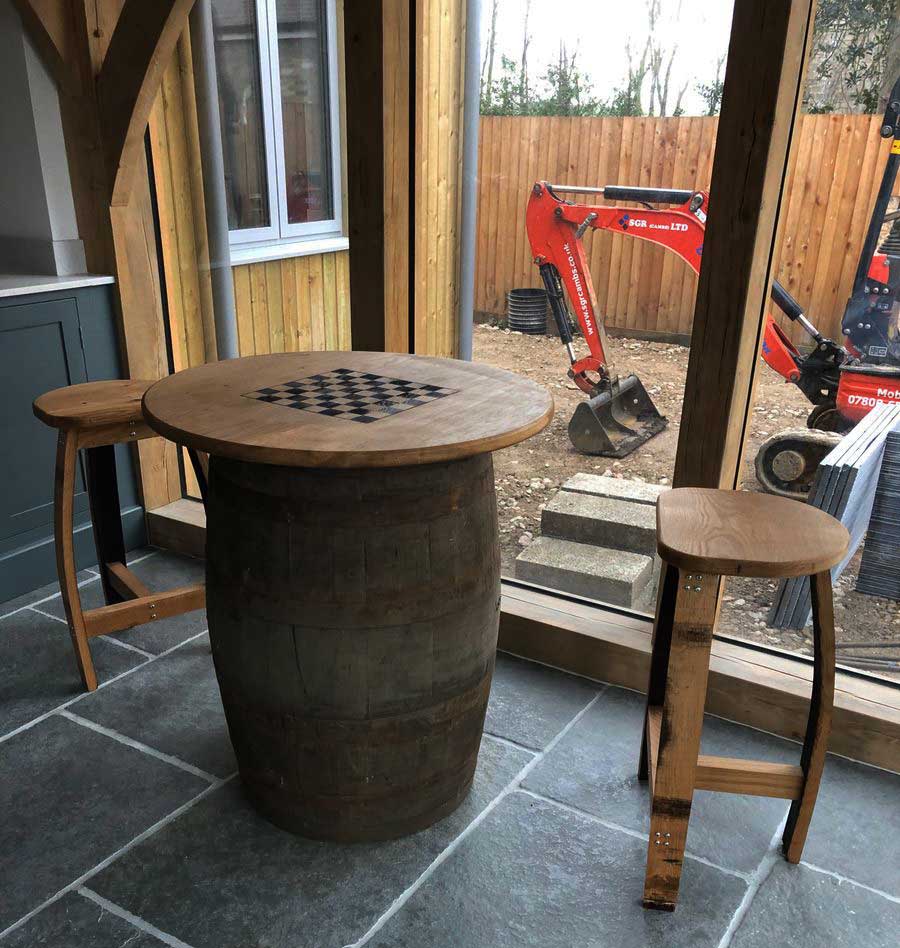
(348, 393)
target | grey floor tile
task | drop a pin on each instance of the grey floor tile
(161, 571)
(531, 703)
(76, 922)
(220, 876)
(71, 797)
(856, 825)
(535, 874)
(173, 705)
(594, 769)
(808, 909)
(39, 669)
(51, 589)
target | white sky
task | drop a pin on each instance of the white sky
(599, 29)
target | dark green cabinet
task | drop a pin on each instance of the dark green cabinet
(46, 341)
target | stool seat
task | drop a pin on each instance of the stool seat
(736, 533)
(94, 417)
(92, 404)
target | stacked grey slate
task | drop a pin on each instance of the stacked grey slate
(844, 486)
(598, 540)
(879, 570)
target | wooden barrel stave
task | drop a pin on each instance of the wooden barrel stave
(353, 619)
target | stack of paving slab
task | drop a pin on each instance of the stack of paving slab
(598, 540)
(879, 569)
(844, 486)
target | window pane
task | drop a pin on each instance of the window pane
(302, 36)
(240, 110)
(837, 221)
(577, 502)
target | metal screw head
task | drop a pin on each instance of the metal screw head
(687, 588)
(698, 589)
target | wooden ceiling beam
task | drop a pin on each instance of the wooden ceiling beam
(141, 47)
(48, 24)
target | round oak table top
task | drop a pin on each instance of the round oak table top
(346, 409)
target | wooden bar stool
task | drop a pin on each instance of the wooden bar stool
(702, 535)
(96, 416)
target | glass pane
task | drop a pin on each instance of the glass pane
(302, 43)
(240, 110)
(814, 433)
(577, 502)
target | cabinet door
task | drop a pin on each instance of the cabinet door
(40, 349)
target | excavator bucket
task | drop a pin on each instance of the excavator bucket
(616, 422)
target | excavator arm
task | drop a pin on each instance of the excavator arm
(555, 231)
(619, 415)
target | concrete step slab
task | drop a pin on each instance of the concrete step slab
(602, 521)
(616, 488)
(646, 600)
(611, 576)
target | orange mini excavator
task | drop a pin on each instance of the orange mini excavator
(843, 382)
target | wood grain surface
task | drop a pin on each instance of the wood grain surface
(205, 408)
(92, 403)
(353, 622)
(736, 533)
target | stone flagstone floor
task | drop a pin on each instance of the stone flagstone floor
(123, 821)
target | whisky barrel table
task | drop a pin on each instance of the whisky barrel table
(352, 570)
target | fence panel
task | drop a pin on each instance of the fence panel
(833, 176)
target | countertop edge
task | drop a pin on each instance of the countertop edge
(25, 284)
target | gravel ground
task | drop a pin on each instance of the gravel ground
(529, 474)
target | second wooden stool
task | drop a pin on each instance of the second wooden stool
(703, 535)
(96, 416)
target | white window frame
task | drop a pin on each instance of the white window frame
(280, 231)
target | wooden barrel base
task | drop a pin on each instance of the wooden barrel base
(353, 619)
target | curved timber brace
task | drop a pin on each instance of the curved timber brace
(129, 77)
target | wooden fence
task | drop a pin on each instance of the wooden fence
(833, 177)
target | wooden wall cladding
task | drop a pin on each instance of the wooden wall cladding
(833, 175)
(296, 305)
(440, 61)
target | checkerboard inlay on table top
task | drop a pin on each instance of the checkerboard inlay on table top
(350, 394)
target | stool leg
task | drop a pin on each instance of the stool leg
(200, 464)
(106, 516)
(815, 744)
(679, 739)
(659, 655)
(63, 508)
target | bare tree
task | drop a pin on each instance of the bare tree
(487, 67)
(630, 96)
(523, 69)
(660, 63)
